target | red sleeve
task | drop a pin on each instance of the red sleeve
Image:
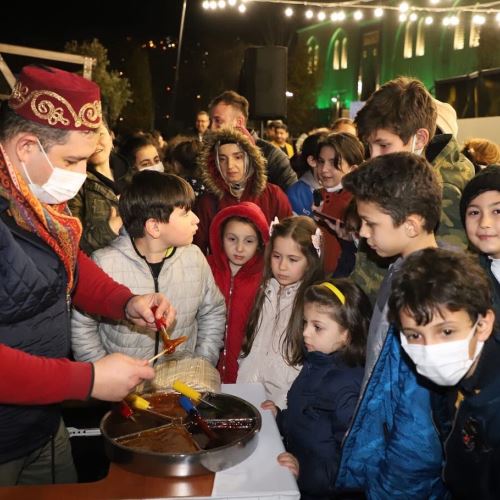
(97, 293)
(32, 380)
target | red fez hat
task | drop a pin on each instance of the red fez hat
(57, 98)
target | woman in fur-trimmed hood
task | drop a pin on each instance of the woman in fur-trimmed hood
(234, 170)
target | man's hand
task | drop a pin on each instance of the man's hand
(117, 375)
(138, 310)
(290, 462)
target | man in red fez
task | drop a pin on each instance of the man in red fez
(47, 133)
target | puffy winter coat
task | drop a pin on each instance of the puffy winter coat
(35, 335)
(265, 362)
(392, 449)
(269, 197)
(185, 279)
(321, 403)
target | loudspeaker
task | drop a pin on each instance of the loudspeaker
(263, 81)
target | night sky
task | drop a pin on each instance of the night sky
(50, 25)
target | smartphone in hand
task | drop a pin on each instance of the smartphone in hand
(333, 220)
(317, 198)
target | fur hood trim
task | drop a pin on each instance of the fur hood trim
(210, 175)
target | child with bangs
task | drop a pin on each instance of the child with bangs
(292, 262)
(238, 235)
(154, 253)
(329, 337)
(337, 155)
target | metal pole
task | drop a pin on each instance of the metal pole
(178, 64)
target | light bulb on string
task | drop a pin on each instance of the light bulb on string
(378, 12)
(288, 12)
(242, 8)
(309, 14)
(321, 16)
(429, 20)
(358, 15)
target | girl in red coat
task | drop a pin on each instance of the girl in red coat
(238, 235)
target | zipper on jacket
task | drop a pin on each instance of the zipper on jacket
(157, 338)
(448, 437)
(224, 350)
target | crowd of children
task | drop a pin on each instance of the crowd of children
(371, 328)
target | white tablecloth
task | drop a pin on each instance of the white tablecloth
(259, 476)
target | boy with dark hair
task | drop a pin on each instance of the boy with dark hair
(441, 302)
(392, 449)
(155, 253)
(479, 210)
(280, 139)
(401, 116)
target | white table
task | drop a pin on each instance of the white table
(259, 476)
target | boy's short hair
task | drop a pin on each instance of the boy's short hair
(281, 125)
(231, 98)
(432, 279)
(152, 195)
(402, 106)
(401, 184)
(486, 180)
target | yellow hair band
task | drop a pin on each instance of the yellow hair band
(335, 290)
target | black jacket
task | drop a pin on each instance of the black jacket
(321, 403)
(34, 318)
(471, 435)
(279, 170)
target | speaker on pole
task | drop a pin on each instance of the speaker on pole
(263, 81)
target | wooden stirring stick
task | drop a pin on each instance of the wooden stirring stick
(171, 346)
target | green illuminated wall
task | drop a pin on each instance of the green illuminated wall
(440, 60)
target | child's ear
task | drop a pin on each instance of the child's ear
(311, 161)
(413, 225)
(152, 228)
(422, 138)
(485, 325)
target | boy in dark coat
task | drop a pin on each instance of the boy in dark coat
(441, 301)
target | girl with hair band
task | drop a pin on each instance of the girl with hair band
(328, 335)
(291, 263)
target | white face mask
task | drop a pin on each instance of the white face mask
(418, 152)
(445, 363)
(157, 167)
(61, 186)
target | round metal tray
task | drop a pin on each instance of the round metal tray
(235, 422)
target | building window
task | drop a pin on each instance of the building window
(420, 43)
(408, 47)
(312, 56)
(459, 37)
(336, 55)
(343, 59)
(475, 34)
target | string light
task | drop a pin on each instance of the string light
(479, 12)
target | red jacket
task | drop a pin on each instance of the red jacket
(334, 204)
(28, 379)
(269, 197)
(238, 290)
